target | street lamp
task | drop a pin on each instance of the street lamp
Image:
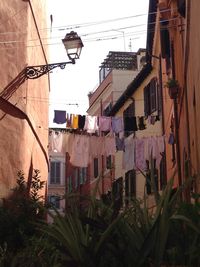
(73, 45)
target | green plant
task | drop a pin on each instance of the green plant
(18, 214)
(136, 236)
(97, 234)
(171, 83)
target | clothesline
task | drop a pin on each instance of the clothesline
(83, 148)
(93, 124)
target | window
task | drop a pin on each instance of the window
(182, 7)
(117, 190)
(151, 180)
(130, 186)
(55, 172)
(107, 110)
(69, 184)
(153, 92)
(103, 72)
(80, 175)
(54, 201)
(129, 113)
(76, 177)
(150, 97)
(109, 162)
(163, 173)
(165, 43)
(164, 39)
(96, 168)
(83, 175)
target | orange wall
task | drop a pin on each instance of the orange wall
(24, 122)
(177, 37)
(192, 66)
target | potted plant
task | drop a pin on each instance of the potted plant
(173, 88)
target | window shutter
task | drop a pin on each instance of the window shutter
(148, 183)
(129, 113)
(182, 7)
(96, 168)
(69, 184)
(76, 176)
(55, 172)
(153, 95)
(164, 39)
(146, 101)
(109, 162)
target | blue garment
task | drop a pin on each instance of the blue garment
(59, 116)
(120, 146)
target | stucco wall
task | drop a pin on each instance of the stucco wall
(24, 124)
(151, 130)
(193, 86)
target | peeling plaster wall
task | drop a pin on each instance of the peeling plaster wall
(24, 129)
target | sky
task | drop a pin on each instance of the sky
(103, 26)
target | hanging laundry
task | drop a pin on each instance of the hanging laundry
(97, 146)
(75, 121)
(81, 121)
(55, 141)
(160, 141)
(130, 124)
(91, 125)
(80, 151)
(104, 124)
(110, 145)
(68, 141)
(154, 148)
(121, 134)
(171, 140)
(141, 124)
(69, 121)
(140, 162)
(59, 116)
(147, 148)
(128, 160)
(120, 146)
(117, 124)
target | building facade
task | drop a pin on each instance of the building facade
(24, 116)
(116, 72)
(191, 87)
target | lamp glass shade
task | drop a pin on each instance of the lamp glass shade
(73, 45)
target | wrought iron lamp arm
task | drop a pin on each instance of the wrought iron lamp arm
(34, 72)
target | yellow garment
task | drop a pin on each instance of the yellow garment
(75, 121)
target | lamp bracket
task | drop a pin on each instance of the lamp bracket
(34, 72)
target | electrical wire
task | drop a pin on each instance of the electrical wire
(92, 33)
(85, 24)
(86, 40)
